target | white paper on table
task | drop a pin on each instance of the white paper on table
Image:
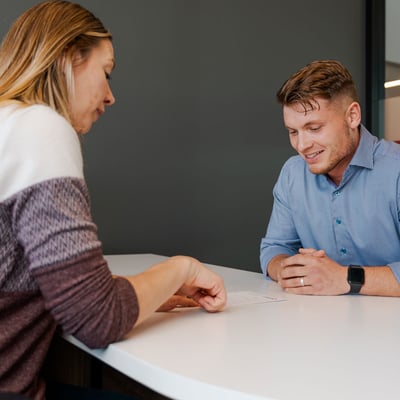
(246, 298)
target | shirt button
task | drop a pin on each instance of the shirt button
(338, 221)
(337, 193)
(343, 250)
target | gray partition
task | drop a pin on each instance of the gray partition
(185, 161)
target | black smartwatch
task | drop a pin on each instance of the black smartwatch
(356, 278)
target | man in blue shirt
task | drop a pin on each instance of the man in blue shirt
(335, 225)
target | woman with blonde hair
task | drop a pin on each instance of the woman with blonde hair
(55, 63)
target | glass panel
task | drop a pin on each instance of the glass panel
(392, 71)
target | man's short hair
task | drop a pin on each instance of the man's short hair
(320, 79)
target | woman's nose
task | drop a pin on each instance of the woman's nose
(109, 99)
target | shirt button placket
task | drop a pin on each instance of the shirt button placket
(338, 222)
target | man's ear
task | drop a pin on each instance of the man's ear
(353, 115)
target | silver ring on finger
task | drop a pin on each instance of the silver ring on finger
(302, 281)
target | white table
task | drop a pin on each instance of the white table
(305, 347)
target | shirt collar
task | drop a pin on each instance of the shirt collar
(364, 155)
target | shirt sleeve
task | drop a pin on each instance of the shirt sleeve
(395, 266)
(281, 236)
(54, 227)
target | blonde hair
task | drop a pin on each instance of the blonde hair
(39, 51)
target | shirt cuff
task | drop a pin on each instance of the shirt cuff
(395, 267)
(267, 256)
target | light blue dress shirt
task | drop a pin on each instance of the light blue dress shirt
(356, 222)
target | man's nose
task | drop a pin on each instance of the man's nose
(303, 141)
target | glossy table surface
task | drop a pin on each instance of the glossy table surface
(300, 347)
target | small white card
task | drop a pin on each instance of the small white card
(246, 298)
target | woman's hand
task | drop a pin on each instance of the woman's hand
(177, 301)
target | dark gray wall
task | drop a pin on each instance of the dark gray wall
(186, 159)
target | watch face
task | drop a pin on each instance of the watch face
(356, 275)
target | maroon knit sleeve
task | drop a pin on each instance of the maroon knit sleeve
(64, 255)
(87, 301)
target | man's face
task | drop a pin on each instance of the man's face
(326, 136)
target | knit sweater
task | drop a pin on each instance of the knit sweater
(52, 270)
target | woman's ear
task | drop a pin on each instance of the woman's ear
(353, 115)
